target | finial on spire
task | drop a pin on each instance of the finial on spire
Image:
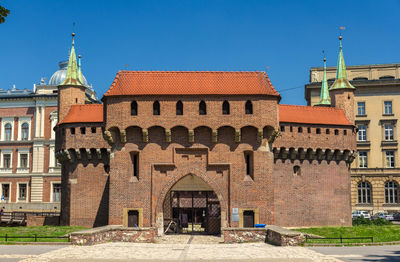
(73, 70)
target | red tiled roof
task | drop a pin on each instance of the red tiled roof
(90, 113)
(191, 83)
(313, 115)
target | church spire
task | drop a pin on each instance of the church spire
(73, 72)
(341, 81)
(324, 99)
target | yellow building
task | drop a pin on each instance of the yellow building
(375, 173)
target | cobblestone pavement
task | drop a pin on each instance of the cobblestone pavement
(183, 248)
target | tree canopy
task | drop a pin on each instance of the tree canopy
(4, 12)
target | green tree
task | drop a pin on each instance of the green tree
(4, 12)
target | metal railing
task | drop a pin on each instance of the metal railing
(339, 238)
(35, 237)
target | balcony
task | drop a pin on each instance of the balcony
(389, 143)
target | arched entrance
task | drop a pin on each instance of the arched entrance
(192, 207)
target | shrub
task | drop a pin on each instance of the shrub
(361, 221)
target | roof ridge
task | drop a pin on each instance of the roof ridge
(314, 107)
(193, 71)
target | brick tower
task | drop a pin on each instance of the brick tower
(72, 90)
(341, 91)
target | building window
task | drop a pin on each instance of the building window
(248, 157)
(6, 160)
(93, 130)
(135, 164)
(309, 130)
(25, 131)
(8, 132)
(249, 108)
(345, 132)
(22, 192)
(327, 131)
(361, 108)
(248, 219)
(225, 108)
(72, 131)
(202, 108)
(282, 128)
(391, 193)
(156, 108)
(291, 129)
(83, 130)
(388, 132)
(336, 132)
(23, 160)
(179, 108)
(296, 170)
(389, 156)
(5, 191)
(387, 107)
(300, 130)
(362, 159)
(56, 192)
(362, 133)
(134, 108)
(318, 130)
(364, 193)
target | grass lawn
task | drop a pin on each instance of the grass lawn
(39, 231)
(385, 233)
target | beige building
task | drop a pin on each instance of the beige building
(375, 173)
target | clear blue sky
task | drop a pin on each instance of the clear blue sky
(286, 36)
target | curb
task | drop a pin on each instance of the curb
(36, 243)
(352, 244)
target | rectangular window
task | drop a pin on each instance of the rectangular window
(388, 132)
(23, 160)
(362, 133)
(389, 159)
(135, 164)
(361, 108)
(83, 130)
(22, 192)
(362, 159)
(7, 161)
(5, 191)
(388, 107)
(248, 157)
(56, 192)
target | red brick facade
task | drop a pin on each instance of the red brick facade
(248, 159)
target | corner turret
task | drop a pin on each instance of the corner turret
(341, 91)
(72, 90)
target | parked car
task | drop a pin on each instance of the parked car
(396, 216)
(360, 213)
(383, 215)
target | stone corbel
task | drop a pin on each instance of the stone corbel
(310, 154)
(214, 136)
(108, 137)
(238, 136)
(292, 154)
(260, 134)
(89, 154)
(78, 154)
(328, 155)
(191, 136)
(320, 154)
(145, 134)
(122, 135)
(98, 152)
(302, 153)
(168, 135)
(284, 153)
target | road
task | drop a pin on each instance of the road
(365, 253)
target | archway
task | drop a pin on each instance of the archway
(192, 207)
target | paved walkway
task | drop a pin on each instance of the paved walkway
(183, 248)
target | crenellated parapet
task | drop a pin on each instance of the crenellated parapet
(313, 154)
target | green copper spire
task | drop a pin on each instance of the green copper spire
(341, 81)
(80, 69)
(73, 73)
(324, 99)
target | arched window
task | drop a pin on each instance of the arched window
(134, 108)
(364, 193)
(249, 107)
(391, 193)
(179, 108)
(8, 132)
(156, 108)
(202, 108)
(225, 108)
(25, 131)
